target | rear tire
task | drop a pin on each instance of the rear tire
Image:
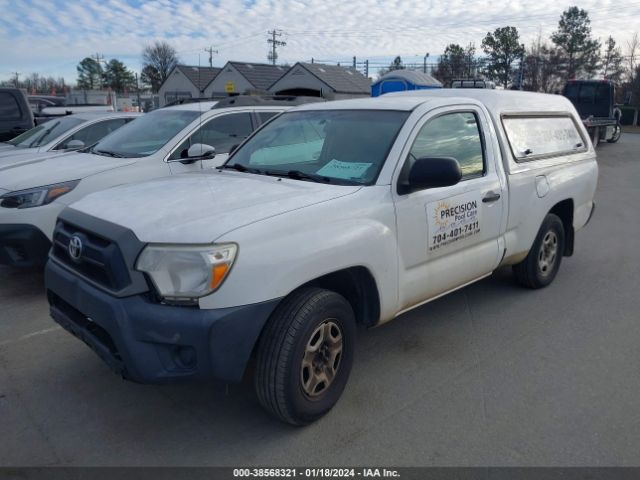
(305, 355)
(617, 133)
(541, 265)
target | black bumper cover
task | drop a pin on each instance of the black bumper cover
(23, 245)
(152, 343)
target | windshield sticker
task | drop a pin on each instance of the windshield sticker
(345, 170)
(453, 219)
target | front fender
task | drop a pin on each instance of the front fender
(279, 254)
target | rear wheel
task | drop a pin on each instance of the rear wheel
(617, 133)
(305, 355)
(541, 265)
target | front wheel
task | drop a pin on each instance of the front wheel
(541, 265)
(305, 355)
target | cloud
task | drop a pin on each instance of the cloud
(52, 36)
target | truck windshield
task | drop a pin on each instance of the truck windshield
(145, 135)
(45, 133)
(330, 146)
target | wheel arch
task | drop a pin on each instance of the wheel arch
(358, 286)
(564, 210)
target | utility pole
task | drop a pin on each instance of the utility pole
(273, 55)
(138, 93)
(99, 58)
(424, 67)
(366, 68)
(211, 52)
(354, 63)
(16, 79)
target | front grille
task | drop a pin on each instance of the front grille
(101, 260)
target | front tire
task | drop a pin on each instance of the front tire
(541, 265)
(305, 355)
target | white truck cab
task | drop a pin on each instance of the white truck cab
(180, 139)
(331, 215)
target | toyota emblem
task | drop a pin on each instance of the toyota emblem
(75, 248)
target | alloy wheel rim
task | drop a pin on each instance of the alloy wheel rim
(322, 358)
(548, 253)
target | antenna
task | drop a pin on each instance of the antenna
(200, 109)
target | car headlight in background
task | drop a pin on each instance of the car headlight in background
(36, 197)
(187, 272)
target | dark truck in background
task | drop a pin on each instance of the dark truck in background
(15, 114)
(595, 102)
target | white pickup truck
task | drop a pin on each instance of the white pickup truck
(331, 215)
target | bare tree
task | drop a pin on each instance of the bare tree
(633, 49)
(157, 62)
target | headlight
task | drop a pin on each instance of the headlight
(35, 197)
(187, 272)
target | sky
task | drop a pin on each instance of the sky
(51, 36)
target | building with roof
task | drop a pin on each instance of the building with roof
(319, 80)
(186, 81)
(243, 77)
(401, 80)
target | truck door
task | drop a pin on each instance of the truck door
(448, 236)
(221, 132)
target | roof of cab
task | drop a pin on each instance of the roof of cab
(496, 101)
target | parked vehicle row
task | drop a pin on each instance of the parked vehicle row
(327, 216)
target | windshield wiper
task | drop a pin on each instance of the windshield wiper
(239, 167)
(107, 153)
(314, 177)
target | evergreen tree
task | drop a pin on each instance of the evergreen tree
(502, 48)
(580, 52)
(89, 74)
(118, 76)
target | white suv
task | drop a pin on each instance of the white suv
(179, 139)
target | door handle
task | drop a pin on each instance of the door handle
(491, 197)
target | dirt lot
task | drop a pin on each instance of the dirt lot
(490, 375)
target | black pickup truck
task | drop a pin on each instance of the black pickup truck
(15, 114)
(595, 102)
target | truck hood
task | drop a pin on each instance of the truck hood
(38, 170)
(201, 207)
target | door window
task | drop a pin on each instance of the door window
(93, 133)
(9, 108)
(221, 133)
(455, 135)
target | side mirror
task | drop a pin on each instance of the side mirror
(433, 172)
(74, 145)
(201, 150)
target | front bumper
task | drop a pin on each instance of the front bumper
(23, 245)
(149, 342)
